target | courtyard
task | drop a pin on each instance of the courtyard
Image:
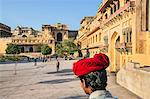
(43, 82)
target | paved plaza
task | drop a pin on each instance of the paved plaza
(43, 82)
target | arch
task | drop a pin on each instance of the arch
(31, 49)
(106, 16)
(59, 36)
(24, 36)
(111, 10)
(114, 54)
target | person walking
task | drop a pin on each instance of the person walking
(93, 76)
(35, 61)
(57, 65)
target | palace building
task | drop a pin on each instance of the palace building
(31, 40)
(121, 29)
(5, 31)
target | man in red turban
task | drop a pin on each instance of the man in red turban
(93, 76)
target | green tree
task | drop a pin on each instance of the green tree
(39, 48)
(67, 46)
(45, 49)
(13, 49)
(59, 48)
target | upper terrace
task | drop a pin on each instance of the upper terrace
(104, 16)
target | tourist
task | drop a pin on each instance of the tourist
(57, 65)
(35, 61)
(93, 76)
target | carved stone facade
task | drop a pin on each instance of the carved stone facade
(116, 30)
(31, 40)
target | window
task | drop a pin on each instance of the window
(111, 10)
(96, 38)
(93, 39)
(127, 37)
(59, 37)
(130, 37)
(31, 49)
(106, 16)
(114, 8)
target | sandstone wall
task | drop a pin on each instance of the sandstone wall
(135, 79)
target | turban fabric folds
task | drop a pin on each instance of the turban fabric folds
(98, 62)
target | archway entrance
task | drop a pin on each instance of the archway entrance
(114, 54)
(117, 54)
(31, 49)
(24, 36)
(59, 37)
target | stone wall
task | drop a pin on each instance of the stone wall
(135, 79)
(3, 44)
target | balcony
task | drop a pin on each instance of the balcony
(115, 14)
(123, 47)
(119, 11)
(104, 5)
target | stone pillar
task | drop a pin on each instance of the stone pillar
(143, 15)
(138, 24)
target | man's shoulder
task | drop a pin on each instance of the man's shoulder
(101, 94)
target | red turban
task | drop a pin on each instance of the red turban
(98, 62)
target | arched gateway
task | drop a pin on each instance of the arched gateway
(59, 36)
(114, 54)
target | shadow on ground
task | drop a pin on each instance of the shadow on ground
(64, 72)
(76, 97)
(57, 81)
(17, 86)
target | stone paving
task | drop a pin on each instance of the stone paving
(43, 82)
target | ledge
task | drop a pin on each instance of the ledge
(135, 79)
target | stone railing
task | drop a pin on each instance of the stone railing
(135, 79)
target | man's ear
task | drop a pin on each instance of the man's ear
(83, 83)
(86, 89)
